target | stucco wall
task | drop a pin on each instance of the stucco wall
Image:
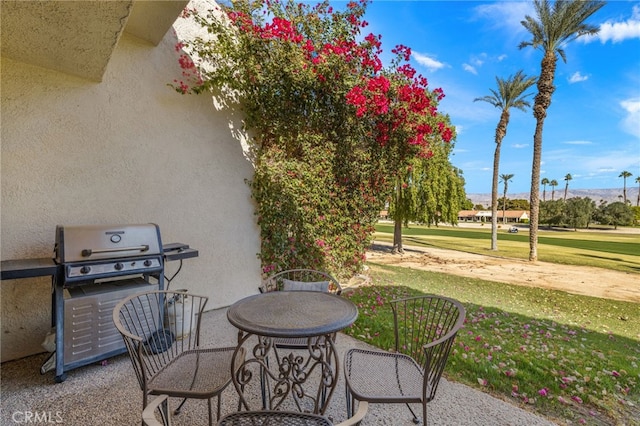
(126, 150)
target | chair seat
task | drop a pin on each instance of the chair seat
(299, 342)
(377, 376)
(198, 373)
(291, 343)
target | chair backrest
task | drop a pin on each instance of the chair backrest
(291, 418)
(301, 279)
(157, 326)
(425, 328)
(281, 418)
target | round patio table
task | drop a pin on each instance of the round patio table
(314, 316)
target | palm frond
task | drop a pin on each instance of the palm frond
(559, 23)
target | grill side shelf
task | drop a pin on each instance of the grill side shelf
(178, 251)
(28, 268)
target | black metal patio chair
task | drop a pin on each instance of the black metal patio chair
(161, 331)
(425, 328)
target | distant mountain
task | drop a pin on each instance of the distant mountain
(609, 195)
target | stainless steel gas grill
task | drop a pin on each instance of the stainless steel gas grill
(95, 267)
(99, 265)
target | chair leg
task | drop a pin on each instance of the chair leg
(263, 387)
(349, 401)
(264, 380)
(415, 418)
(166, 415)
(177, 410)
(424, 414)
(210, 412)
(219, 409)
(144, 403)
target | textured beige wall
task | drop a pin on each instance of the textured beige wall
(126, 150)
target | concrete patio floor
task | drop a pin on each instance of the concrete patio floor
(109, 394)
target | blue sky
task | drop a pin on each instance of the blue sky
(592, 130)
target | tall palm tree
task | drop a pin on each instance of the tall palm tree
(544, 182)
(509, 95)
(638, 182)
(567, 178)
(624, 175)
(505, 178)
(556, 25)
(553, 185)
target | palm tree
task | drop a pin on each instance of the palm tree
(567, 178)
(509, 95)
(624, 175)
(553, 185)
(557, 24)
(505, 178)
(638, 200)
(544, 182)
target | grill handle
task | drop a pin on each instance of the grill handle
(89, 252)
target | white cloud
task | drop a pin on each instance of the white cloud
(502, 57)
(631, 123)
(520, 145)
(475, 62)
(507, 15)
(578, 142)
(430, 63)
(469, 68)
(478, 60)
(576, 77)
(618, 31)
(584, 161)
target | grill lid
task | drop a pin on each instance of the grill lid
(99, 242)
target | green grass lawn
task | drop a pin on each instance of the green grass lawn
(616, 251)
(574, 359)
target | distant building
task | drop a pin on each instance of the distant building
(512, 216)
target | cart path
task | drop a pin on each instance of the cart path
(583, 280)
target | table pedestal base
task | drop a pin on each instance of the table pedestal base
(304, 377)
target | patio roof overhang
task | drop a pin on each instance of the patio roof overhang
(79, 37)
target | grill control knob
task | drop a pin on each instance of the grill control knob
(85, 269)
(118, 266)
(147, 262)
